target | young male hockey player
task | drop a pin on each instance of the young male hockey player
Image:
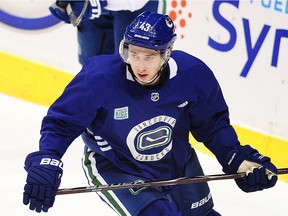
(135, 111)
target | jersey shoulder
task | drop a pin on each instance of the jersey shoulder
(184, 57)
(191, 66)
(103, 63)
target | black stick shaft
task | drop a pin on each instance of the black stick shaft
(177, 181)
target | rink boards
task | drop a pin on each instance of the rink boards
(42, 84)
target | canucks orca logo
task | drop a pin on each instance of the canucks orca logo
(27, 15)
(155, 138)
(151, 140)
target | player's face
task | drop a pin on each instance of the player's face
(145, 63)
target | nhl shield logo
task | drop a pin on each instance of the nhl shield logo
(155, 96)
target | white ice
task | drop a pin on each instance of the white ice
(19, 134)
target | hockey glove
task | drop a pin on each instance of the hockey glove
(260, 172)
(58, 9)
(44, 170)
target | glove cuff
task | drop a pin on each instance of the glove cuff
(36, 158)
(233, 161)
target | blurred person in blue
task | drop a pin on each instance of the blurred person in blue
(135, 111)
(104, 22)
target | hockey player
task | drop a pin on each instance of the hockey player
(103, 23)
(135, 111)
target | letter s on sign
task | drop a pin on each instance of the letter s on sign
(226, 24)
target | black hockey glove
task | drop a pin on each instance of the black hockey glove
(260, 172)
(44, 170)
(94, 9)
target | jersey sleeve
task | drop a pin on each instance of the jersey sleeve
(210, 121)
(69, 115)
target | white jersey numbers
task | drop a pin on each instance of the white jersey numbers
(145, 26)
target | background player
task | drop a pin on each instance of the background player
(135, 111)
(101, 33)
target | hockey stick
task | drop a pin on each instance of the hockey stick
(73, 18)
(138, 184)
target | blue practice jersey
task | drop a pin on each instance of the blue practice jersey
(143, 131)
